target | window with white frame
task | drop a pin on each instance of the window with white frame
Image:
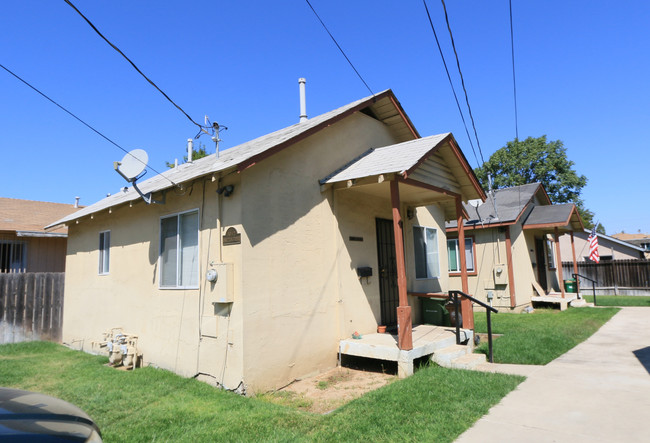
(179, 250)
(427, 263)
(454, 254)
(550, 255)
(104, 251)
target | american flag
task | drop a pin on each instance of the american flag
(593, 246)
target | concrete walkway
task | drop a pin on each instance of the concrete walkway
(597, 392)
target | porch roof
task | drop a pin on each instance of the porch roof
(425, 166)
(564, 217)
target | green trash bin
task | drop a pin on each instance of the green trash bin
(434, 312)
(570, 285)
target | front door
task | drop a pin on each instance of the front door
(540, 254)
(388, 291)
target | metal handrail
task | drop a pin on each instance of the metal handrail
(593, 284)
(453, 295)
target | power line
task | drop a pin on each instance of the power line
(203, 128)
(81, 121)
(478, 143)
(514, 82)
(450, 82)
(338, 46)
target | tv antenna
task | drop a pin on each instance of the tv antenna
(132, 168)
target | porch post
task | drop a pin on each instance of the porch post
(575, 263)
(404, 324)
(465, 305)
(511, 272)
(558, 256)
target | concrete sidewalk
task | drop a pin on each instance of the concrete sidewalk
(597, 392)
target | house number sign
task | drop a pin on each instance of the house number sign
(232, 237)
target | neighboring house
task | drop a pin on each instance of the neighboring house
(511, 246)
(262, 259)
(25, 246)
(609, 248)
(639, 239)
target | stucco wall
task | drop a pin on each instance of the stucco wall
(166, 321)
(490, 249)
(291, 276)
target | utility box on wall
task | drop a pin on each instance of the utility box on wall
(220, 276)
(500, 274)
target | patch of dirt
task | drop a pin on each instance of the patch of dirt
(331, 390)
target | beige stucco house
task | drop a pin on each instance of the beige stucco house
(255, 263)
(25, 246)
(512, 246)
(609, 248)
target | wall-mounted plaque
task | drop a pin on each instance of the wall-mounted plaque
(232, 237)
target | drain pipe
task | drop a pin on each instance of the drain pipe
(303, 100)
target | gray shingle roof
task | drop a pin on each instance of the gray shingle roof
(228, 159)
(509, 202)
(551, 214)
(396, 158)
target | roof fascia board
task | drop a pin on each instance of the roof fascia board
(481, 226)
(405, 117)
(303, 135)
(465, 164)
(40, 234)
(449, 139)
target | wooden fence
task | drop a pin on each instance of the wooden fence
(613, 274)
(31, 306)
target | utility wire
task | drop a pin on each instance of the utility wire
(203, 128)
(451, 83)
(338, 46)
(478, 144)
(83, 122)
(514, 82)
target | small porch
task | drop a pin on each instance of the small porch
(546, 224)
(425, 172)
(427, 341)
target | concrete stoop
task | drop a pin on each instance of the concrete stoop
(457, 357)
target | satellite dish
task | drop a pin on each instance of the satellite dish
(132, 165)
(475, 203)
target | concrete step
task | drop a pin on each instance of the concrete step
(468, 361)
(445, 356)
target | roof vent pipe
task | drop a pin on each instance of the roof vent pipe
(303, 100)
(76, 202)
(190, 145)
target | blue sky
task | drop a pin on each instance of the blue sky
(582, 77)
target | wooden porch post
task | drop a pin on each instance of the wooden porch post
(511, 272)
(575, 263)
(465, 305)
(404, 323)
(558, 256)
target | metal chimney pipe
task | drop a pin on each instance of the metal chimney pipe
(303, 100)
(76, 202)
(190, 146)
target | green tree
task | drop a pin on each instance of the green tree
(198, 153)
(538, 160)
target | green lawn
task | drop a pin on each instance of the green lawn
(540, 337)
(435, 404)
(619, 300)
